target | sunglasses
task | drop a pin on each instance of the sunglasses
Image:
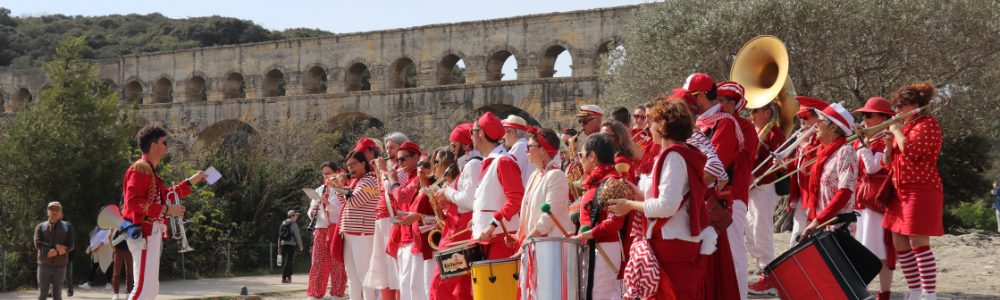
(584, 122)
(474, 130)
(533, 146)
(424, 164)
(639, 117)
(403, 158)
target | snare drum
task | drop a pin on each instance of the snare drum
(457, 261)
(495, 279)
(557, 265)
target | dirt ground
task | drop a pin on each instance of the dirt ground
(968, 268)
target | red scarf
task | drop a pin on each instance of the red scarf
(816, 170)
(697, 215)
(709, 119)
(597, 175)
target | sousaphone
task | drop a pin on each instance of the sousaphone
(761, 67)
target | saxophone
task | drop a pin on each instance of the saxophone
(435, 236)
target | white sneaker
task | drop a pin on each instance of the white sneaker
(107, 287)
(85, 285)
(912, 295)
(314, 298)
(115, 297)
(928, 296)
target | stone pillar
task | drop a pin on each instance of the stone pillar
(476, 76)
(214, 94)
(584, 67)
(527, 73)
(378, 84)
(148, 97)
(428, 80)
(182, 97)
(336, 87)
(254, 92)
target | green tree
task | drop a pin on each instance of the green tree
(71, 146)
(457, 74)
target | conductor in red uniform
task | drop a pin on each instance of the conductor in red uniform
(145, 204)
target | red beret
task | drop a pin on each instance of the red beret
(807, 103)
(410, 146)
(688, 99)
(877, 105)
(491, 126)
(364, 144)
(461, 134)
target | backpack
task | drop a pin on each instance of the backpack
(285, 232)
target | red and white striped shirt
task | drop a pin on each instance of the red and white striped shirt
(359, 211)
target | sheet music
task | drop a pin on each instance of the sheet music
(312, 194)
(212, 175)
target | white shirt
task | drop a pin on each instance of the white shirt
(673, 186)
(520, 154)
(468, 180)
(332, 211)
(873, 162)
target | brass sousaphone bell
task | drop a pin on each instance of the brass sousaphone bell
(761, 67)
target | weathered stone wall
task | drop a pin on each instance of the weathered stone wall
(171, 85)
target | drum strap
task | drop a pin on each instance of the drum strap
(595, 212)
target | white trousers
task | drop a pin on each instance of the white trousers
(799, 218)
(760, 225)
(736, 244)
(357, 256)
(146, 264)
(414, 279)
(382, 271)
(606, 283)
(871, 233)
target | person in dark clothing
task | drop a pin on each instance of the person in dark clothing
(996, 201)
(54, 240)
(288, 241)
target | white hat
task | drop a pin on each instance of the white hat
(513, 121)
(590, 110)
(840, 116)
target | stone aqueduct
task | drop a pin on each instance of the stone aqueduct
(199, 93)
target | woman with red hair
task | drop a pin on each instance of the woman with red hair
(914, 212)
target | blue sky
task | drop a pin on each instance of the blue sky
(334, 16)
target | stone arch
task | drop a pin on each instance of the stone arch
(3, 98)
(273, 83)
(397, 73)
(445, 68)
(501, 111)
(195, 89)
(496, 60)
(217, 133)
(133, 93)
(353, 79)
(353, 126)
(314, 80)
(234, 86)
(20, 97)
(163, 91)
(548, 61)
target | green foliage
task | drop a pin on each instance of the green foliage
(458, 74)
(71, 146)
(26, 42)
(977, 214)
(838, 51)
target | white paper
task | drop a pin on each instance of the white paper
(212, 175)
(312, 194)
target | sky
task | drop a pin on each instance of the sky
(333, 16)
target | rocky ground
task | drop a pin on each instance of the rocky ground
(968, 268)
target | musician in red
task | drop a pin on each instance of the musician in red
(914, 213)
(498, 196)
(145, 204)
(798, 200)
(458, 215)
(871, 176)
(598, 158)
(415, 256)
(760, 216)
(676, 224)
(834, 175)
(356, 227)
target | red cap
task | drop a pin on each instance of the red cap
(461, 134)
(877, 105)
(491, 126)
(699, 82)
(364, 144)
(688, 99)
(410, 146)
(808, 103)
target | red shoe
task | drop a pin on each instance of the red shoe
(882, 295)
(286, 280)
(762, 287)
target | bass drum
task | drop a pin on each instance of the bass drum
(495, 279)
(558, 266)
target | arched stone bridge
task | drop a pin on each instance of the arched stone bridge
(200, 93)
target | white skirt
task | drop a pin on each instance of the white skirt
(382, 271)
(871, 233)
(606, 283)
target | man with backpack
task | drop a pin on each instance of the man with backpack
(288, 238)
(53, 239)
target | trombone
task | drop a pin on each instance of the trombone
(782, 152)
(863, 134)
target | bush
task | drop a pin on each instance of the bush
(978, 214)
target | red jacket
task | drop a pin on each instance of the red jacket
(607, 226)
(145, 196)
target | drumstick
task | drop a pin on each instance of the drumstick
(465, 241)
(504, 227)
(457, 233)
(586, 228)
(548, 210)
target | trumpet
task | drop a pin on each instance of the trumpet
(177, 223)
(642, 140)
(863, 133)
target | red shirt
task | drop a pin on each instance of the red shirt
(918, 164)
(421, 204)
(727, 147)
(741, 171)
(607, 225)
(145, 196)
(773, 140)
